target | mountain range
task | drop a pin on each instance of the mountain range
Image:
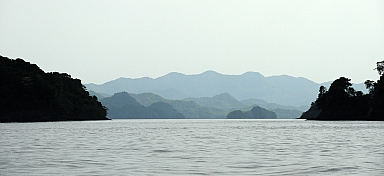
(283, 90)
(148, 105)
(122, 106)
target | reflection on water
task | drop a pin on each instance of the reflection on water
(192, 147)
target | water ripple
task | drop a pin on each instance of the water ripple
(192, 147)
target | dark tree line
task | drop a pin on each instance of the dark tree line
(28, 94)
(343, 102)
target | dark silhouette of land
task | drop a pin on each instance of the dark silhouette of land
(255, 113)
(28, 94)
(342, 102)
(122, 106)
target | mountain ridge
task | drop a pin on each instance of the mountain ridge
(283, 89)
(218, 106)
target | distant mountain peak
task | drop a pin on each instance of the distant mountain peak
(221, 101)
(225, 94)
(120, 99)
(284, 89)
(252, 73)
(210, 72)
(173, 74)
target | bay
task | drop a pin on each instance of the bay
(192, 147)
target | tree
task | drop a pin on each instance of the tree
(322, 91)
(370, 85)
(342, 84)
(380, 67)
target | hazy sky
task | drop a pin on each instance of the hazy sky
(98, 41)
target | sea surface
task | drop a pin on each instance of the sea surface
(192, 147)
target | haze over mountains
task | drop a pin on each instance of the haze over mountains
(283, 90)
(151, 106)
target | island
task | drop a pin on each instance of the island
(343, 102)
(28, 94)
(255, 113)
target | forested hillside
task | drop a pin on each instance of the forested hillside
(343, 102)
(28, 94)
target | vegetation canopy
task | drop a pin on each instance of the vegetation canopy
(28, 94)
(342, 102)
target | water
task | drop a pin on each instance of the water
(192, 147)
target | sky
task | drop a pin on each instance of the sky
(98, 41)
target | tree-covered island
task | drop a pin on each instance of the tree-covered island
(342, 102)
(28, 94)
(256, 112)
